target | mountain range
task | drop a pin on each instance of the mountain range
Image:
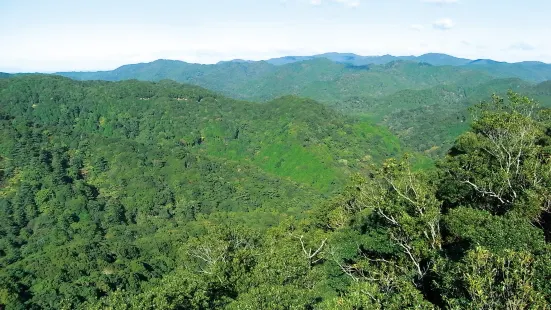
(528, 70)
(308, 184)
(320, 79)
(422, 99)
(358, 60)
(534, 71)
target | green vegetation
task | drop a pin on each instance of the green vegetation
(319, 79)
(168, 114)
(430, 120)
(534, 71)
(99, 179)
(140, 195)
(357, 60)
(128, 194)
(423, 100)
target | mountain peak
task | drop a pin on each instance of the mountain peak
(235, 61)
(484, 62)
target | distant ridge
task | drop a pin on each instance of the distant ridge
(485, 62)
(225, 76)
(236, 61)
(533, 71)
(354, 59)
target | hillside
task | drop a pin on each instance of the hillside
(83, 164)
(425, 105)
(357, 60)
(319, 79)
(433, 128)
(529, 70)
(289, 137)
(326, 81)
(142, 195)
(430, 120)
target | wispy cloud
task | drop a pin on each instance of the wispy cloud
(352, 3)
(349, 3)
(522, 46)
(443, 24)
(416, 27)
(440, 1)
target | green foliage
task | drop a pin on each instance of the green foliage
(497, 281)
(480, 228)
(290, 137)
(430, 120)
(368, 295)
(502, 164)
(405, 202)
(528, 70)
(138, 195)
(425, 105)
(320, 79)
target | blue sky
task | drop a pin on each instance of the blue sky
(56, 35)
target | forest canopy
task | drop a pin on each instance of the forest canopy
(141, 195)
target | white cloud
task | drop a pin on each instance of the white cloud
(416, 27)
(349, 3)
(352, 3)
(440, 1)
(522, 46)
(107, 46)
(443, 24)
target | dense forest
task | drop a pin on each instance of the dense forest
(160, 195)
(423, 100)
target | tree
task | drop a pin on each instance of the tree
(406, 203)
(496, 281)
(502, 164)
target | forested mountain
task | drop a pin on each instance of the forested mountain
(4, 75)
(533, 71)
(426, 105)
(141, 195)
(107, 171)
(212, 124)
(357, 60)
(431, 119)
(234, 78)
(528, 70)
(319, 79)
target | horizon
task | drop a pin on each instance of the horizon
(54, 36)
(260, 60)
